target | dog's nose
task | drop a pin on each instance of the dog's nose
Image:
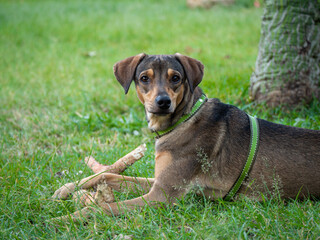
(163, 101)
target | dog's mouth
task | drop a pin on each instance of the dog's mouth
(158, 120)
(161, 112)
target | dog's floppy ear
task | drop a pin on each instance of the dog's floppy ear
(124, 70)
(193, 69)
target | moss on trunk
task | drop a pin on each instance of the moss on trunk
(288, 64)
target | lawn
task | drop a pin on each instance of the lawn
(60, 103)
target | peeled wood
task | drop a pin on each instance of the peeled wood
(104, 192)
(120, 165)
(83, 197)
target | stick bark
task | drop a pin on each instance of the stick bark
(120, 165)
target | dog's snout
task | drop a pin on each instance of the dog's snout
(163, 101)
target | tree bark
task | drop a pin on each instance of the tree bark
(288, 64)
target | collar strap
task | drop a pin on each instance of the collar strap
(184, 118)
(254, 142)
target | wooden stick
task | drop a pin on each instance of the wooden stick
(104, 194)
(120, 165)
(84, 198)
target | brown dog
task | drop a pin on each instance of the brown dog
(210, 147)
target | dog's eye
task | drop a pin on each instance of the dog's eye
(175, 79)
(144, 79)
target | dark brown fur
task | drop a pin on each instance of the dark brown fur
(210, 149)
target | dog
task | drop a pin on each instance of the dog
(207, 147)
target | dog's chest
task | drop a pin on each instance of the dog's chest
(163, 160)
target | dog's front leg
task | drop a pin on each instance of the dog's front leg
(160, 193)
(112, 209)
(154, 198)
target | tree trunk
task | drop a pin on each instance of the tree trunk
(288, 64)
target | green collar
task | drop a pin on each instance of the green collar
(254, 126)
(184, 118)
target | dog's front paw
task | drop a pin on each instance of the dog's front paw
(64, 191)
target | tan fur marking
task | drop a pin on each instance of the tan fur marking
(150, 73)
(176, 97)
(150, 97)
(180, 95)
(163, 160)
(140, 95)
(171, 72)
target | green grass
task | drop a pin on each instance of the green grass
(58, 105)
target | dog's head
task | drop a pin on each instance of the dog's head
(162, 83)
